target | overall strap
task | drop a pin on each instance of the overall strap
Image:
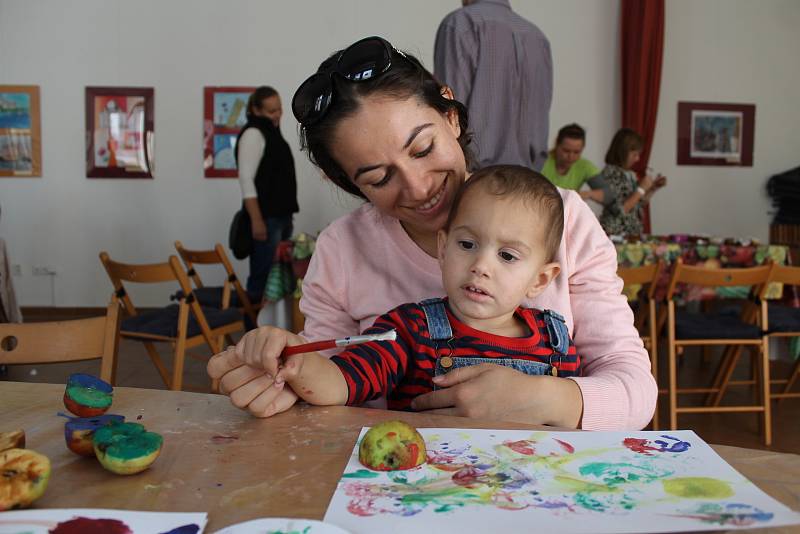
(436, 316)
(557, 331)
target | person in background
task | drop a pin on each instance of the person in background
(500, 66)
(267, 179)
(622, 211)
(567, 169)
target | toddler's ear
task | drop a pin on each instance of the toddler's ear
(441, 242)
(546, 274)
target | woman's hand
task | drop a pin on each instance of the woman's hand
(646, 182)
(262, 348)
(259, 228)
(489, 391)
(660, 182)
(249, 387)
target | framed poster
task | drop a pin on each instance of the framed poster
(715, 134)
(20, 131)
(224, 115)
(119, 132)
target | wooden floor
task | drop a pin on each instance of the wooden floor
(136, 370)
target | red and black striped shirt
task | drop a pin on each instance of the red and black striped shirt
(402, 369)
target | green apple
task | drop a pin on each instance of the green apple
(392, 446)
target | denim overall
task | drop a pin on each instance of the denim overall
(440, 330)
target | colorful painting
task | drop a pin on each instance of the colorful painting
(715, 134)
(119, 132)
(475, 480)
(97, 521)
(20, 136)
(282, 525)
(224, 115)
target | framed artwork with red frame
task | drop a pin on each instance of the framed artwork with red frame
(224, 115)
(20, 131)
(119, 132)
(715, 134)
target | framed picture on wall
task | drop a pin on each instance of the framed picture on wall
(20, 131)
(119, 132)
(715, 134)
(224, 115)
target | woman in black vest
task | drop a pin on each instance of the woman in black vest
(267, 178)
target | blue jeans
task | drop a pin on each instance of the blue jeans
(278, 229)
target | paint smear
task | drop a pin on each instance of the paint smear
(221, 439)
(184, 529)
(697, 488)
(85, 525)
(361, 473)
(732, 514)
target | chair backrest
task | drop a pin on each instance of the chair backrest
(64, 341)
(214, 257)
(716, 277)
(782, 274)
(646, 275)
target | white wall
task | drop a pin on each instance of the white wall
(734, 51)
(63, 219)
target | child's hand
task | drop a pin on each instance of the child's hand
(262, 348)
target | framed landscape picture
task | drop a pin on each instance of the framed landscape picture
(715, 134)
(119, 132)
(224, 115)
(20, 131)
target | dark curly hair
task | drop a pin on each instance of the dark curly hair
(405, 79)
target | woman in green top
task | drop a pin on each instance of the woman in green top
(567, 169)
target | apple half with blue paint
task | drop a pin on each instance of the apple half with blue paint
(87, 395)
(392, 446)
(126, 448)
(79, 432)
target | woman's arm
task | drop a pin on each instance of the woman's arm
(250, 150)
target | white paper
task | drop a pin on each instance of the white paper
(92, 520)
(282, 525)
(514, 481)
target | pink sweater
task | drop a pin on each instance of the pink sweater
(365, 264)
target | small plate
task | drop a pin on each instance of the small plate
(284, 525)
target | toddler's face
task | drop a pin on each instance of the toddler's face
(492, 258)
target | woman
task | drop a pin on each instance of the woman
(622, 212)
(382, 128)
(267, 179)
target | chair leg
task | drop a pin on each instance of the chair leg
(765, 392)
(177, 367)
(719, 373)
(728, 372)
(652, 320)
(792, 377)
(673, 383)
(156, 359)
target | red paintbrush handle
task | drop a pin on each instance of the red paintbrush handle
(309, 347)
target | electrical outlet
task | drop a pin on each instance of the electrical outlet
(43, 270)
(16, 270)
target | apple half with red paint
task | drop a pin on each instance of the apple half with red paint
(392, 446)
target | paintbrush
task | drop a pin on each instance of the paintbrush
(389, 335)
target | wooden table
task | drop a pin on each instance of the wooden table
(221, 460)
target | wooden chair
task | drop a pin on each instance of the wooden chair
(230, 293)
(644, 315)
(782, 321)
(693, 329)
(184, 325)
(64, 341)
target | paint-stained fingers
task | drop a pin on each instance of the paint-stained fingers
(239, 377)
(242, 396)
(222, 363)
(272, 401)
(271, 351)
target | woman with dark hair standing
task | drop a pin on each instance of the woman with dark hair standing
(269, 186)
(381, 127)
(622, 212)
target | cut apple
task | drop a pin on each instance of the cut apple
(392, 446)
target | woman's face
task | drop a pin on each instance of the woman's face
(404, 156)
(271, 109)
(632, 159)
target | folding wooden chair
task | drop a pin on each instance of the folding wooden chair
(184, 325)
(782, 321)
(699, 329)
(64, 341)
(229, 294)
(644, 314)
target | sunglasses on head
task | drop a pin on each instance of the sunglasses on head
(362, 61)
